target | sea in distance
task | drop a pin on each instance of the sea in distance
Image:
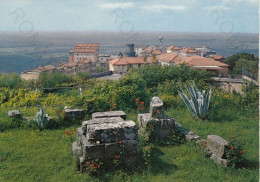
(20, 52)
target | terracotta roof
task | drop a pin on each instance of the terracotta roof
(188, 50)
(200, 61)
(157, 52)
(45, 68)
(86, 48)
(216, 57)
(130, 60)
(169, 57)
(173, 48)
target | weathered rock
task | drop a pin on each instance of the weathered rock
(217, 145)
(76, 149)
(85, 124)
(14, 113)
(112, 132)
(219, 160)
(109, 114)
(143, 119)
(156, 108)
(164, 126)
(190, 136)
(75, 113)
(104, 138)
(202, 143)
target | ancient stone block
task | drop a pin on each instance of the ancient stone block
(103, 138)
(75, 113)
(85, 124)
(93, 151)
(76, 149)
(156, 108)
(217, 145)
(202, 143)
(14, 113)
(112, 132)
(109, 114)
(219, 160)
(143, 119)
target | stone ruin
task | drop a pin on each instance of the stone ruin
(163, 125)
(102, 136)
(73, 114)
(216, 148)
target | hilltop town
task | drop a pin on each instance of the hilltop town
(85, 57)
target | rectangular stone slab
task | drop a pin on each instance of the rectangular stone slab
(112, 132)
(85, 124)
(109, 114)
(93, 151)
(143, 119)
(217, 145)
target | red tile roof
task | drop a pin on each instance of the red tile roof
(173, 48)
(169, 57)
(216, 57)
(86, 48)
(45, 68)
(130, 60)
(188, 50)
(157, 52)
(201, 61)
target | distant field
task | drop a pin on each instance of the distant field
(19, 53)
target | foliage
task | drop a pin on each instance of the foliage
(139, 105)
(147, 157)
(156, 74)
(20, 97)
(235, 154)
(10, 80)
(198, 102)
(100, 69)
(120, 54)
(54, 79)
(94, 167)
(41, 119)
(81, 77)
(238, 61)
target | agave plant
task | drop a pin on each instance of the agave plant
(197, 102)
(41, 119)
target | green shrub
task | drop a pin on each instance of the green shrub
(235, 154)
(198, 102)
(41, 119)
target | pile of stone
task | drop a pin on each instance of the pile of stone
(164, 126)
(102, 138)
(216, 148)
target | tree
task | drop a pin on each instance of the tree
(120, 54)
(145, 58)
(237, 61)
(153, 58)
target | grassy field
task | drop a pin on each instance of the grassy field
(31, 155)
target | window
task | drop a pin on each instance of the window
(131, 66)
(139, 65)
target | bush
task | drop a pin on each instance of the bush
(235, 154)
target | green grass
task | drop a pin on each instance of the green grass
(31, 155)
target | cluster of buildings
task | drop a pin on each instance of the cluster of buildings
(82, 58)
(197, 58)
(85, 57)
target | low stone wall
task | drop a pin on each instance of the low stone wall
(97, 75)
(102, 137)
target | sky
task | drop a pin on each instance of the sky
(130, 15)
